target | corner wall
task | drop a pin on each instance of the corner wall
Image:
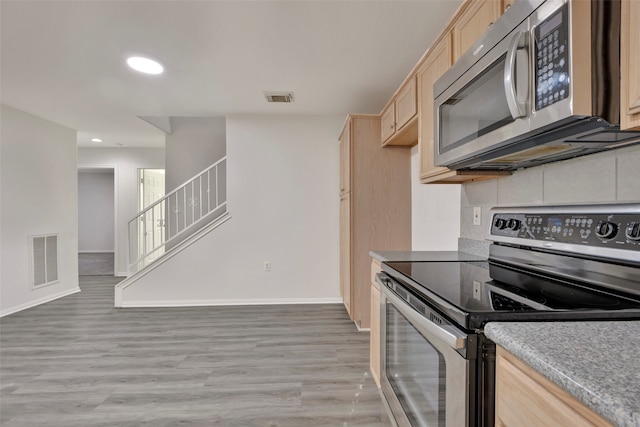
(39, 196)
(283, 174)
(194, 144)
(435, 216)
(125, 162)
(606, 177)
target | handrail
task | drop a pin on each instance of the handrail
(184, 184)
(176, 214)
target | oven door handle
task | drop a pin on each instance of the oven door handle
(447, 334)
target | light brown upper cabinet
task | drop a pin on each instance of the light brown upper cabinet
(399, 124)
(406, 101)
(408, 118)
(506, 5)
(436, 63)
(473, 21)
(388, 122)
(630, 66)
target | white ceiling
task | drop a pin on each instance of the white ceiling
(65, 60)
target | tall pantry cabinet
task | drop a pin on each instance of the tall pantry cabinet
(375, 208)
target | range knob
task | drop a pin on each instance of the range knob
(633, 231)
(500, 223)
(606, 230)
(514, 224)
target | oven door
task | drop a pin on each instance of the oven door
(425, 377)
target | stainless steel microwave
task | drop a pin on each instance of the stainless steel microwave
(541, 85)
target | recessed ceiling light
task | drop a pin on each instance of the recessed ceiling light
(96, 140)
(145, 65)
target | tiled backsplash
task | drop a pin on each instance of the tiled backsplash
(612, 176)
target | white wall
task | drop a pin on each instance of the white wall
(283, 174)
(96, 211)
(125, 162)
(435, 215)
(194, 144)
(39, 196)
(612, 176)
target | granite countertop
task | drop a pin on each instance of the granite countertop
(596, 362)
(432, 256)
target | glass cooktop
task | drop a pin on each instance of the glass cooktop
(472, 293)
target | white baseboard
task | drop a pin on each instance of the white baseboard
(361, 329)
(97, 252)
(226, 302)
(39, 301)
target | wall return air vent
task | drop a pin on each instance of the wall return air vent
(285, 97)
(44, 259)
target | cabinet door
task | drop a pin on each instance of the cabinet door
(388, 122)
(524, 397)
(345, 160)
(630, 66)
(472, 24)
(437, 62)
(507, 4)
(406, 106)
(345, 252)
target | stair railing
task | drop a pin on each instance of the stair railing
(177, 215)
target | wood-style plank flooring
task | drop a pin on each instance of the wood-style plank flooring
(77, 361)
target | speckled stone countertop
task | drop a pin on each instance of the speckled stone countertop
(596, 362)
(432, 256)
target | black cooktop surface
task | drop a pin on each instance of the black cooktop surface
(473, 293)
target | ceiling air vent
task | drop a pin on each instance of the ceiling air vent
(279, 96)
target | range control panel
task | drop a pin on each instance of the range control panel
(613, 230)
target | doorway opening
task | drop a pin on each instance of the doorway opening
(96, 222)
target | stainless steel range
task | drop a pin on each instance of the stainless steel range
(546, 264)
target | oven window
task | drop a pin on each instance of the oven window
(415, 370)
(477, 109)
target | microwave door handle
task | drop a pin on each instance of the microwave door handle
(516, 74)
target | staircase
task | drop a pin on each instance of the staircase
(180, 217)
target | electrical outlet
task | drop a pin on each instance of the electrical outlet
(477, 215)
(267, 266)
(476, 290)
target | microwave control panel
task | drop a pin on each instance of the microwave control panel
(620, 231)
(552, 59)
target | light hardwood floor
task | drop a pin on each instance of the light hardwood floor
(77, 361)
(96, 264)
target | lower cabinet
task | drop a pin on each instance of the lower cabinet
(526, 398)
(374, 350)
